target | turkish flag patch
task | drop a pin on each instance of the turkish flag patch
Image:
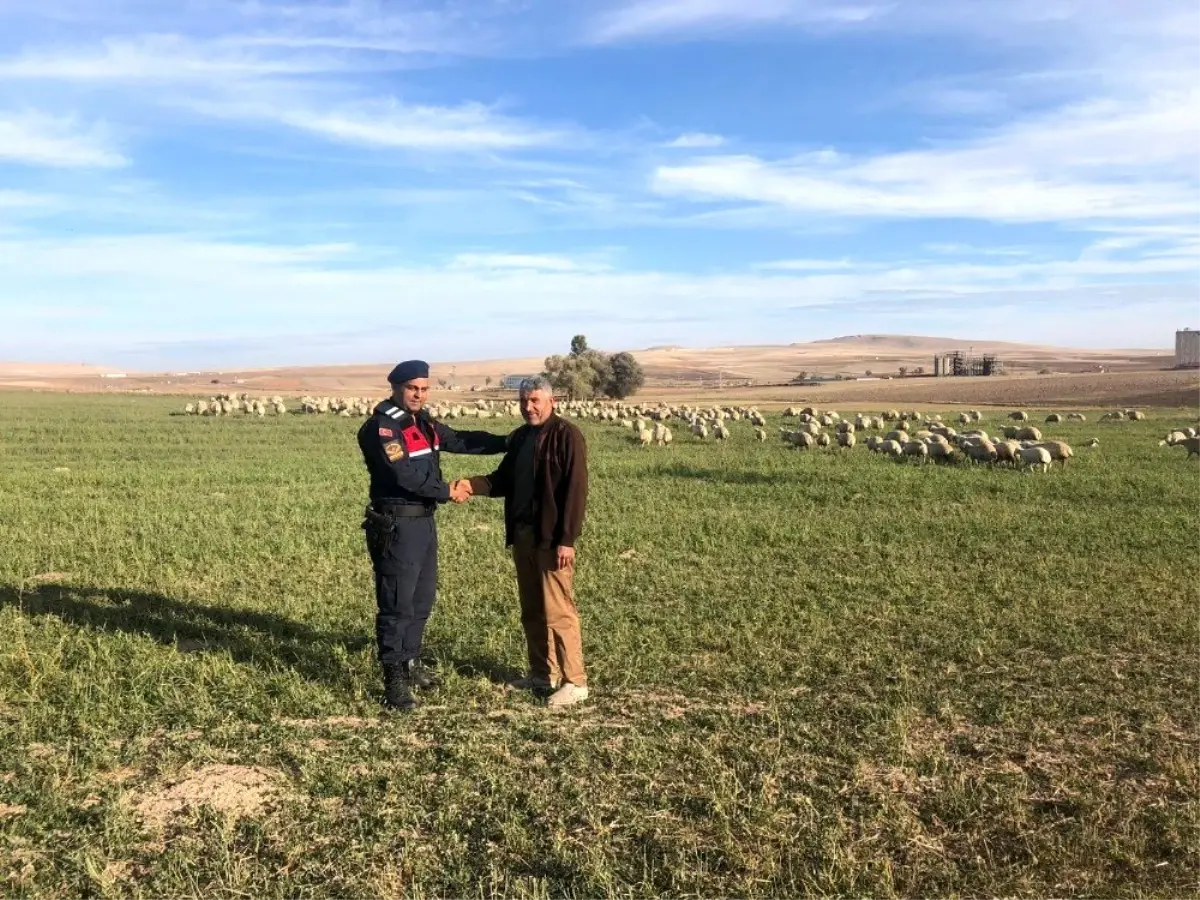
(386, 432)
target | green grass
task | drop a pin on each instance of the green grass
(821, 673)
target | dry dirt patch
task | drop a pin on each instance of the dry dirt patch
(235, 791)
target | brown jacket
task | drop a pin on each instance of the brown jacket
(560, 476)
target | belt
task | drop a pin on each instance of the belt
(404, 510)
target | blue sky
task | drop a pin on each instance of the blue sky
(239, 182)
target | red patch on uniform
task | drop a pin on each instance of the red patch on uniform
(386, 432)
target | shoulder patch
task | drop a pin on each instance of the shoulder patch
(386, 432)
(393, 450)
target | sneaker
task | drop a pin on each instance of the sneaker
(567, 695)
(535, 683)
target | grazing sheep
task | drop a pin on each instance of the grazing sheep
(984, 451)
(189, 410)
(760, 435)
(846, 439)
(1134, 415)
(802, 440)
(964, 419)
(1053, 419)
(1192, 445)
(1008, 451)
(720, 432)
(939, 451)
(1173, 437)
(846, 427)
(893, 449)
(823, 440)
(1058, 450)
(1035, 457)
(1019, 416)
(1076, 417)
(645, 436)
(1094, 442)
(900, 437)
(699, 430)
(1029, 434)
(917, 449)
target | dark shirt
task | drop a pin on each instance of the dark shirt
(402, 453)
(524, 486)
(560, 482)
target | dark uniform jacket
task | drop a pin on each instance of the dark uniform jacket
(402, 450)
(560, 482)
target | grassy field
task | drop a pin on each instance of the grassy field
(814, 673)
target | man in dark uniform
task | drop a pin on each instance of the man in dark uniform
(401, 444)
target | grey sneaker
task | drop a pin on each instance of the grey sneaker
(534, 683)
(568, 695)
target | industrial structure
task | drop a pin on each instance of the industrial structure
(959, 363)
(1187, 349)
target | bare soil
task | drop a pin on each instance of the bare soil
(236, 791)
(759, 374)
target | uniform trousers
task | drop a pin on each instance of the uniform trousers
(549, 615)
(405, 589)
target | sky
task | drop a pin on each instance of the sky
(208, 183)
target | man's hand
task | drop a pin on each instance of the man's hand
(460, 491)
(566, 557)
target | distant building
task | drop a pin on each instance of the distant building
(960, 364)
(1187, 349)
(513, 382)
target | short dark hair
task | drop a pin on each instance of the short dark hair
(536, 383)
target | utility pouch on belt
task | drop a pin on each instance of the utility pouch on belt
(379, 528)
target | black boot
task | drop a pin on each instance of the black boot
(419, 676)
(397, 691)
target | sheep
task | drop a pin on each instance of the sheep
(1076, 417)
(1053, 419)
(720, 432)
(699, 430)
(189, 409)
(964, 419)
(1173, 437)
(846, 427)
(1134, 415)
(1007, 451)
(823, 440)
(662, 434)
(645, 436)
(1029, 434)
(1058, 450)
(940, 451)
(1093, 443)
(1019, 416)
(1191, 445)
(917, 449)
(984, 451)
(846, 439)
(802, 440)
(899, 436)
(760, 435)
(1035, 457)
(891, 448)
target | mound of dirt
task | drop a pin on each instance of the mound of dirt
(236, 791)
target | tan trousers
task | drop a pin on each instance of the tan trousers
(548, 612)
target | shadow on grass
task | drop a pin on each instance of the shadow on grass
(264, 640)
(255, 638)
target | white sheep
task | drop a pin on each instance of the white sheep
(823, 440)
(984, 451)
(1035, 458)
(846, 439)
(760, 435)
(1076, 417)
(1059, 451)
(1019, 416)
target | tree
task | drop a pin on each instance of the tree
(625, 376)
(585, 373)
(441, 382)
(487, 381)
(903, 371)
(919, 370)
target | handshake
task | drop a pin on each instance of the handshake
(460, 490)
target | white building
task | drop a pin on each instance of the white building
(1187, 349)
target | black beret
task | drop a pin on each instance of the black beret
(408, 370)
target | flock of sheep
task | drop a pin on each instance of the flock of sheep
(898, 434)
(346, 407)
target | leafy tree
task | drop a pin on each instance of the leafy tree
(903, 371)
(487, 381)
(586, 373)
(625, 376)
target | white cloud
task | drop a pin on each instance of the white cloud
(697, 140)
(527, 261)
(1104, 159)
(40, 140)
(389, 123)
(646, 18)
